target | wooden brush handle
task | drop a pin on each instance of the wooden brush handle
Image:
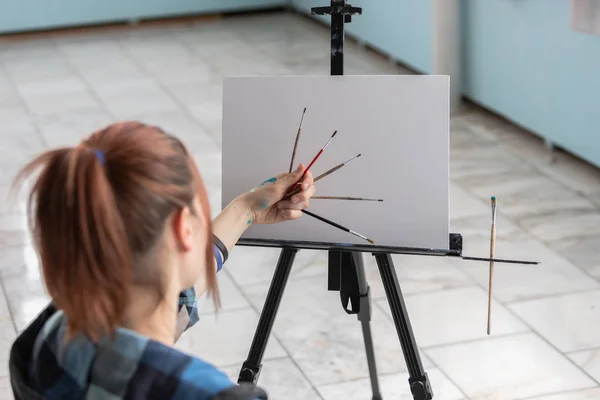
(491, 277)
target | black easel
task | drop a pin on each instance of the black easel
(346, 272)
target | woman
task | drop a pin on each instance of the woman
(122, 226)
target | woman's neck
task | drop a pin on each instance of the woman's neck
(151, 317)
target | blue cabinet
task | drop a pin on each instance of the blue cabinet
(26, 15)
(159, 8)
(523, 60)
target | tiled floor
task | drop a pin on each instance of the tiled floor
(546, 331)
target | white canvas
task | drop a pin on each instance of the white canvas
(400, 125)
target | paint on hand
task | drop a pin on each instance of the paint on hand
(249, 221)
(264, 205)
(272, 180)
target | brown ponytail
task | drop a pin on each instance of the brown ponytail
(97, 212)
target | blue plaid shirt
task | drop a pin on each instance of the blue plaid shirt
(130, 366)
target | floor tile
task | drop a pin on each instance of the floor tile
(588, 394)
(528, 146)
(231, 297)
(208, 160)
(31, 51)
(478, 227)
(4, 310)
(91, 50)
(416, 274)
(568, 322)
(153, 49)
(513, 282)
(15, 120)
(105, 84)
(224, 339)
(588, 360)
(281, 379)
(14, 230)
(5, 389)
(16, 259)
(574, 173)
(183, 126)
(583, 252)
(7, 337)
(60, 103)
(209, 116)
(69, 128)
(207, 48)
(9, 97)
(481, 133)
(249, 265)
(392, 387)
(461, 315)
(8, 173)
(12, 201)
(323, 331)
(472, 168)
(22, 147)
(25, 70)
(464, 204)
(120, 74)
(564, 224)
(181, 71)
(197, 93)
(45, 87)
(214, 201)
(137, 100)
(26, 294)
(595, 198)
(525, 195)
(510, 367)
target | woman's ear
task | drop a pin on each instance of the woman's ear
(183, 229)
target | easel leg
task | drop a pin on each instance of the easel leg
(364, 316)
(354, 291)
(418, 381)
(251, 368)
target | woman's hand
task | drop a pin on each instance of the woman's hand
(266, 203)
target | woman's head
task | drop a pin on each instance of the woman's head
(125, 208)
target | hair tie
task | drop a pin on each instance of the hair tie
(100, 155)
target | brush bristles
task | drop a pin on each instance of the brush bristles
(334, 133)
(370, 241)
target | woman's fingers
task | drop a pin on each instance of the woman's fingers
(290, 214)
(290, 205)
(298, 201)
(308, 180)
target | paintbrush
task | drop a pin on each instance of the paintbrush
(316, 157)
(338, 226)
(297, 139)
(332, 170)
(323, 175)
(492, 252)
(344, 198)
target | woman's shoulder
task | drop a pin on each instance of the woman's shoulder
(179, 374)
(128, 365)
